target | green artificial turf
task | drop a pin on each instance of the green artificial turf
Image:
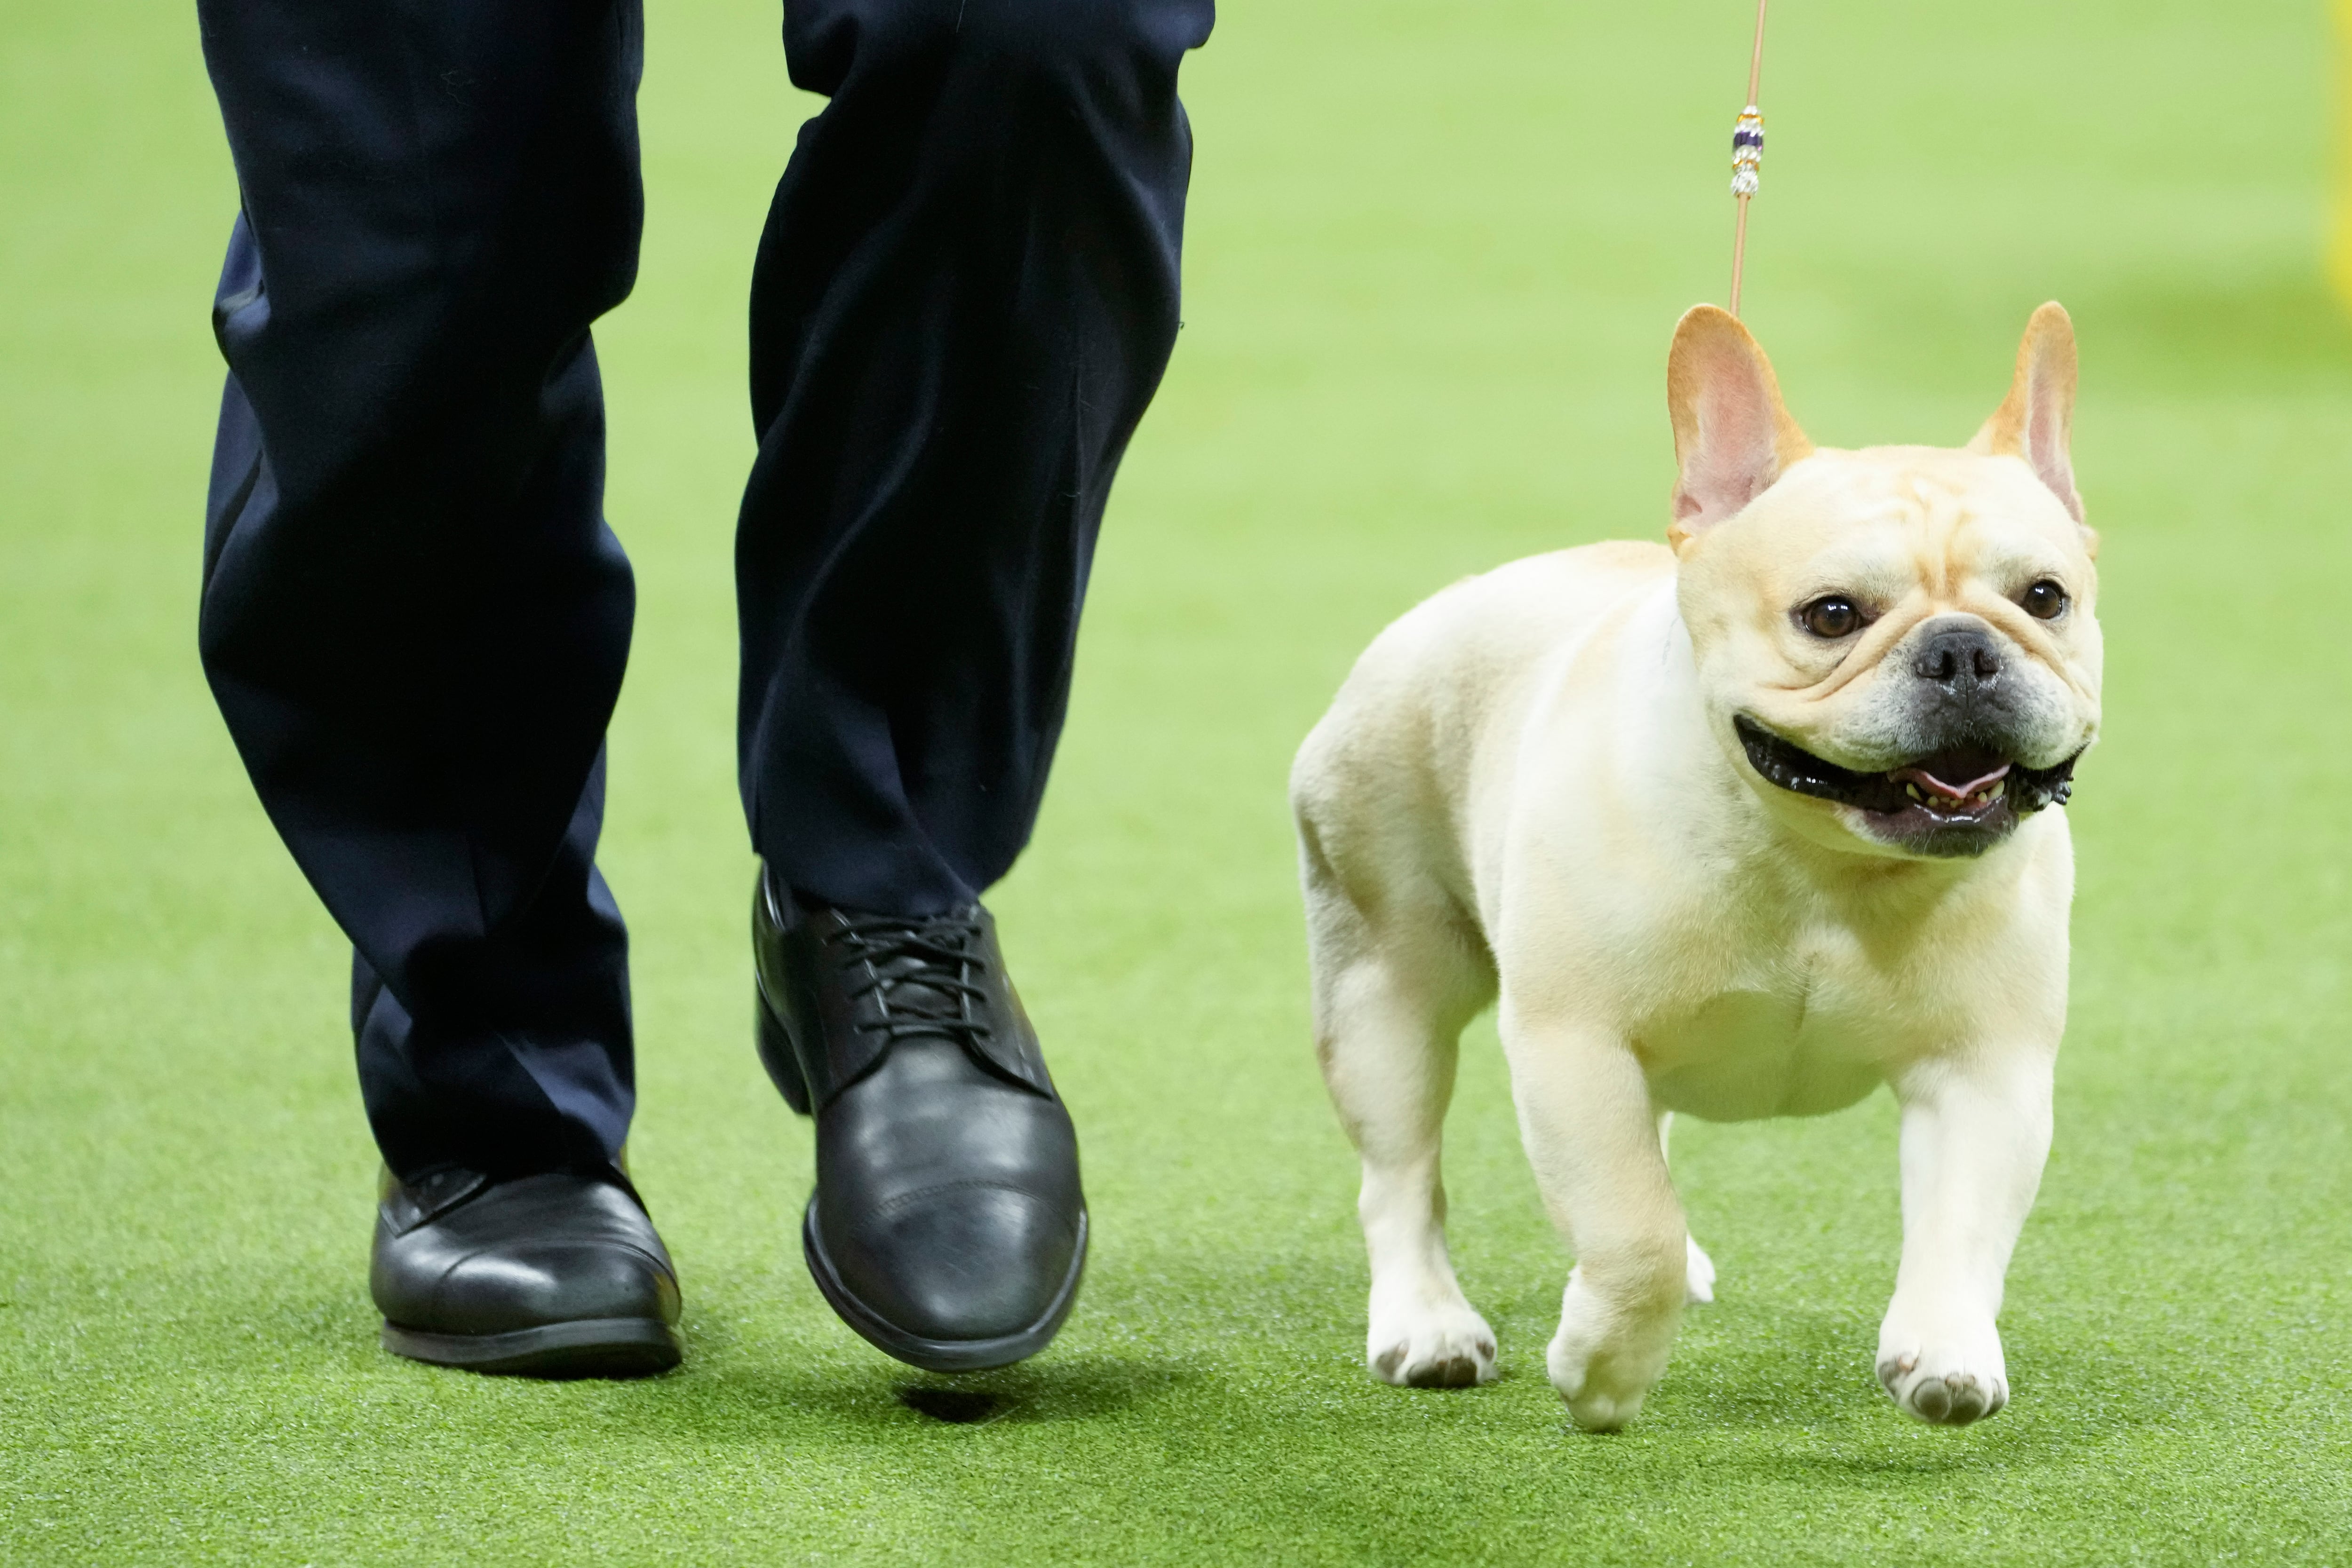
(1435, 252)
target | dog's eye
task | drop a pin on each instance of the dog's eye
(1832, 616)
(2046, 600)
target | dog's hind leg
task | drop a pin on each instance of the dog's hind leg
(1390, 1004)
(1698, 1279)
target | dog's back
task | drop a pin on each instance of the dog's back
(1415, 722)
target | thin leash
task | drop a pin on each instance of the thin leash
(1747, 156)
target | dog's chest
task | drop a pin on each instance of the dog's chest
(1808, 1031)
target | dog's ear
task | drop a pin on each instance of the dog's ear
(1732, 437)
(2036, 421)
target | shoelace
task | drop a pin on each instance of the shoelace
(944, 953)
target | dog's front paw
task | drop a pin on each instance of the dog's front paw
(1603, 1360)
(1444, 1346)
(1945, 1383)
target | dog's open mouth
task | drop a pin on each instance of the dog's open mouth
(1956, 802)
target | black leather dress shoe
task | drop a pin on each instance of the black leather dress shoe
(948, 1226)
(546, 1276)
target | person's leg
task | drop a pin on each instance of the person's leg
(413, 617)
(964, 298)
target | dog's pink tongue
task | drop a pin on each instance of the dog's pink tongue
(1953, 792)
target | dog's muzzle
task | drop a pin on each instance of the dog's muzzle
(1956, 802)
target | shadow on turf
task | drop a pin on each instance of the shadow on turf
(1754, 1366)
(1773, 1371)
(1806, 1371)
(750, 1400)
(232, 1326)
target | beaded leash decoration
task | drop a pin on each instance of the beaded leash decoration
(1747, 156)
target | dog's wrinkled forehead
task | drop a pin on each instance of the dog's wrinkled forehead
(1890, 521)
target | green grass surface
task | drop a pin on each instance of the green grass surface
(1434, 256)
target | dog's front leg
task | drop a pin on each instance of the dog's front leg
(1976, 1131)
(1591, 1136)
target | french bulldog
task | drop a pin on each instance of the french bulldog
(1744, 824)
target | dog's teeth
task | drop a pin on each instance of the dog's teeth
(1913, 791)
(2000, 786)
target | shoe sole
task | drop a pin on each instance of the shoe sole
(939, 1354)
(589, 1347)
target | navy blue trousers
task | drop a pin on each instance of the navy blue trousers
(415, 617)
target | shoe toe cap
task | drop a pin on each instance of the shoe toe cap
(971, 1260)
(527, 1285)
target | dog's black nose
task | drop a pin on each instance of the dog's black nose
(1958, 657)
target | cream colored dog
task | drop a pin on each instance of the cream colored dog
(1744, 825)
